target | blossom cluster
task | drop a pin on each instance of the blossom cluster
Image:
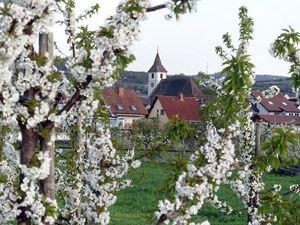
(222, 206)
(8, 196)
(271, 92)
(180, 6)
(202, 179)
(30, 88)
(295, 188)
(34, 93)
(16, 68)
(9, 161)
(93, 178)
(30, 187)
(124, 28)
(102, 169)
(248, 183)
(215, 84)
(14, 36)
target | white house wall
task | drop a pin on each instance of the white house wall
(155, 113)
(127, 120)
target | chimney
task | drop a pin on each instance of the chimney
(121, 91)
(180, 96)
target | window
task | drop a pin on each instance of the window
(271, 103)
(284, 103)
(152, 75)
(161, 76)
(119, 107)
(133, 107)
(162, 112)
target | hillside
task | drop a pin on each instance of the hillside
(138, 81)
(260, 77)
(285, 85)
(134, 81)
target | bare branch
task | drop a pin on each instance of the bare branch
(170, 214)
(155, 8)
(165, 217)
(161, 6)
(76, 96)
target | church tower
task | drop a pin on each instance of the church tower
(156, 73)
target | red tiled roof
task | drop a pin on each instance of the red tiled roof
(187, 109)
(128, 99)
(279, 119)
(276, 104)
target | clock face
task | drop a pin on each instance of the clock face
(152, 84)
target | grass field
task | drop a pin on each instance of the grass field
(136, 205)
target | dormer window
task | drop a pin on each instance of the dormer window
(120, 107)
(271, 103)
(133, 107)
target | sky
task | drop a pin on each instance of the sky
(188, 45)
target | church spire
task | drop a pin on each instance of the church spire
(156, 73)
(157, 66)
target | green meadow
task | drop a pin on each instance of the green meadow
(136, 205)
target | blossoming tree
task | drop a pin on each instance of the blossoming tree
(36, 99)
(233, 144)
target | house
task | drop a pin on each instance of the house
(275, 110)
(166, 107)
(173, 85)
(161, 84)
(124, 106)
(295, 100)
(277, 105)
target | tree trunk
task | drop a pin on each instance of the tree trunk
(257, 138)
(80, 145)
(46, 44)
(28, 145)
(48, 184)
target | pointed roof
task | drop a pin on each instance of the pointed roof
(157, 66)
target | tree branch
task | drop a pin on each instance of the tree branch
(168, 215)
(158, 7)
(84, 85)
(76, 96)
(155, 8)
(165, 217)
